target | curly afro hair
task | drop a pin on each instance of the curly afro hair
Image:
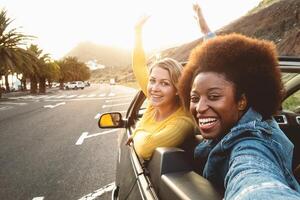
(250, 64)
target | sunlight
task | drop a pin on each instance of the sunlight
(61, 24)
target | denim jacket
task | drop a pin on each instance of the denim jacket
(252, 161)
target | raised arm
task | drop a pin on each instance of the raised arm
(200, 19)
(254, 173)
(139, 64)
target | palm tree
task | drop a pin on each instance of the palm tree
(10, 51)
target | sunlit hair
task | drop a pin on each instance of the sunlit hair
(172, 66)
(250, 64)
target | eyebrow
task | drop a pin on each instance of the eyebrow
(152, 77)
(214, 88)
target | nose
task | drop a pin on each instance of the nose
(202, 105)
(155, 87)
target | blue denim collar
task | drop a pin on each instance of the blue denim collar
(250, 115)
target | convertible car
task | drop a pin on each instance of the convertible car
(170, 173)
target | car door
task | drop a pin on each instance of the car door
(132, 181)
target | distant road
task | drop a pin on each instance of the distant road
(51, 146)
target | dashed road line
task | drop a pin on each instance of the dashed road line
(53, 106)
(83, 95)
(5, 108)
(91, 95)
(13, 103)
(115, 105)
(99, 192)
(116, 100)
(38, 198)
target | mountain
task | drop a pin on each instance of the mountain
(275, 20)
(103, 55)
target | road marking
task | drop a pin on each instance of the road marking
(120, 104)
(111, 94)
(6, 108)
(71, 96)
(53, 106)
(114, 100)
(99, 192)
(38, 198)
(102, 95)
(91, 95)
(61, 96)
(83, 95)
(53, 96)
(97, 116)
(85, 135)
(41, 96)
(13, 103)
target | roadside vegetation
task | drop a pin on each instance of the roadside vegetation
(18, 56)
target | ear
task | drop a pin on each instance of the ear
(243, 102)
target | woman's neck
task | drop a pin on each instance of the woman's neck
(162, 113)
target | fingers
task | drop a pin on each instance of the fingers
(129, 141)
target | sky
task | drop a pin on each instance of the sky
(59, 25)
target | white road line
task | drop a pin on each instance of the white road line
(38, 198)
(111, 94)
(12, 103)
(114, 100)
(83, 95)
(71, 96)
(99, 192)
(6, 108)
(61, 96)
(53, 106)
(91, 95)
(41, 96)
(120, 104)
(53, 96)
(102, 95)
(97, 116)
(85, 135)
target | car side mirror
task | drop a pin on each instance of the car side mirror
(111, 120)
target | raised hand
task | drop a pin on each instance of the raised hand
(197, 10)
(140, 23)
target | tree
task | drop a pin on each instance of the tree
(10, 51)
(71, 69)
(44, 69)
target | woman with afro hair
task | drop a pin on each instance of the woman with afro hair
(232, 86)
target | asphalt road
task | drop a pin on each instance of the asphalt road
(51, 146)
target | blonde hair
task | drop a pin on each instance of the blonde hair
(172, 66)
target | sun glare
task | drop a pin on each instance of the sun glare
(60, 25)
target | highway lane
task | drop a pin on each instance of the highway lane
(38, 152)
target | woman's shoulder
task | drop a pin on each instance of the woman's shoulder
(182, 116)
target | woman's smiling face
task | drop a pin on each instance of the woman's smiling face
(213, 104)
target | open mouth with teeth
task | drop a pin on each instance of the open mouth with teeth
(207, 123)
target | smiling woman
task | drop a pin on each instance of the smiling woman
(232, 86)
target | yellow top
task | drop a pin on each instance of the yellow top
(150, 134)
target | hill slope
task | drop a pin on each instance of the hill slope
(105, 55)
(278, 21)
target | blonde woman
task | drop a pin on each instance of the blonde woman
(165, 123)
